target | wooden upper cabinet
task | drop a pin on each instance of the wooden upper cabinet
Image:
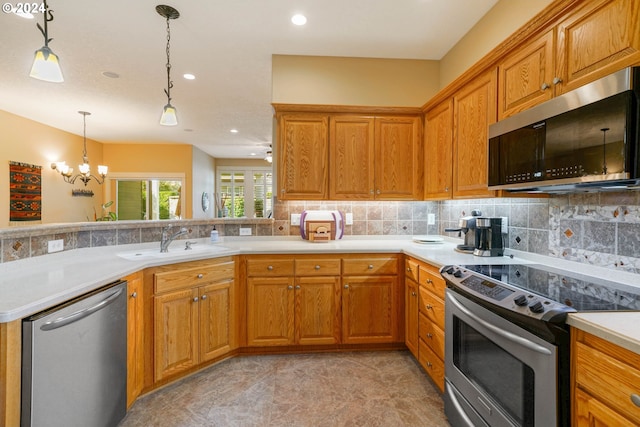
(398, 161)
(474, 109)
(438, 152)
(526, 76)
(303, 151)
(597, 39)
(351, 158)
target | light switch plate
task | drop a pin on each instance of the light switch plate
(295, 219)
(431, 219)
(55, 245)
(245, 231)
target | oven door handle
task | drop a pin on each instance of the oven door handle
(508, 335)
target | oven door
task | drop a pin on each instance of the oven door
(497, 373)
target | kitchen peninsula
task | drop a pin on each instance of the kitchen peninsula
(30, 285)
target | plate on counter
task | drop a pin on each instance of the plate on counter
(428, 239)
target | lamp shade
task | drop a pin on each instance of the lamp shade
(46, 66)
(169, 117)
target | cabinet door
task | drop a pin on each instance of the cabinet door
(270, 311)
(351, 157)
(526, 77)
(216, 319)
(438, 152)
(411, 316)
(303, 156)
(317, 313)
(135, 337)
(175, 332)
(398, 158)
(590, 412)
(474, 110)
(597, 39)
(369, 309)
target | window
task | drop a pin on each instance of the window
(244, 192)
(146, 198)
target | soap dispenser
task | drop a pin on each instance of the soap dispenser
(214, 235)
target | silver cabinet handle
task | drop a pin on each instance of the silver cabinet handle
(413, 294)
(370, 191)
(317, 267)
(346, 286)
(557, 80)
(289, 287)
(297, 286)
(544, 86)
(203, 297)
(134, 295)
(370, 266)
(195, 299)
(378, 191)
(200, 276)
(270, 267)
(635, 399)
(409, 269)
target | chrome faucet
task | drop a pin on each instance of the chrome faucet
(167, 238)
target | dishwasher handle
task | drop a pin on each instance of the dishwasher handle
(80, 314)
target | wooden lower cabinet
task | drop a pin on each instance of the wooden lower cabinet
(135, 336)
(270, 311)
(193, 315)
(317, 310)
(605, 382)
(10, 372)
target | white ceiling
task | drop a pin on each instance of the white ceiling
(227, 45)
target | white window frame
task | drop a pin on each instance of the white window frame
(249, 193)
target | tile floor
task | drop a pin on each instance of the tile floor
(326, 389)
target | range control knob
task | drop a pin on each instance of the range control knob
(520, 300)
(536, 307)
(458, 273)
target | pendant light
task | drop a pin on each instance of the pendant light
(169, 117)
(85, 170)
(45, 64)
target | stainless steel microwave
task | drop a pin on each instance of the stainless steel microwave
(584, 140)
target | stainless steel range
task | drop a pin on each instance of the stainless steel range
(507, 342)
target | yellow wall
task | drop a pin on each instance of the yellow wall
(26, 141)
(496, 26)
(152, 158)
(353, 81)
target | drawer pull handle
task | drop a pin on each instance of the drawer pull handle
(635, 399)
(195, 299)
(370, 266)
(346, 286)
(429, 335)
(200, 276)
(429, 364)
(203, 297)
(413, 294)
(428, 306)
(297, 286)
(134, 295)
(409, 269)
(557, 80)
(317, 267)
(544, 86)
(289, 287)
(429, 281)
(270, 267)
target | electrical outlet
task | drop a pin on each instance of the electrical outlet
(431, 219)
(245, 231)
(295, 219)
(348, 220)
(55, 245)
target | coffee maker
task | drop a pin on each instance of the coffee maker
(490, 236)
(467, 226)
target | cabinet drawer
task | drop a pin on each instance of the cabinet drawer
(411, 268)
(432, 364)
(188, 277)
(432, 335)
(432, 307)
(360, 267)
(266, 267)
(431, 279)
(320, 267)
(608, 379)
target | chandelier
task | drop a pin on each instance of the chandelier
(85, 170)
(169, 116)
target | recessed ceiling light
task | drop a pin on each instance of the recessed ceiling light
(299, 19)
(234, 131)
(253, 154)
(111, 74)
(189, 76)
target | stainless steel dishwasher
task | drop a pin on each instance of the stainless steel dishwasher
(74, 362)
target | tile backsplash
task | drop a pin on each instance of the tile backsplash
(601, 229)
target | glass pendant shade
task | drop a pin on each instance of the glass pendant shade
(46, 66)
(84, 168)
(102, 170)
(169, 117)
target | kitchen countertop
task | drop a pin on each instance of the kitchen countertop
(31, 285)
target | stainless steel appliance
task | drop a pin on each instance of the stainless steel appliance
(74, 360)
(467, 226)
(490, 236)
(507, 343)
(586, 139)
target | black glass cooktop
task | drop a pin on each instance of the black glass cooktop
(583, 293)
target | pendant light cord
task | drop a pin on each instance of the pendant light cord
(169, 82)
